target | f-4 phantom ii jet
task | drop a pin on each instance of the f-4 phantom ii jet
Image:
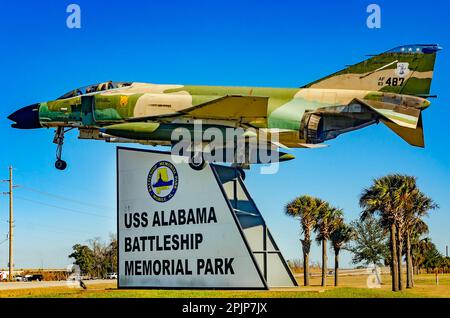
(391, 87)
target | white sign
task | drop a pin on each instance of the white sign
(176, 228)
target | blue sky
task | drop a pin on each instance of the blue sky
(252, 43)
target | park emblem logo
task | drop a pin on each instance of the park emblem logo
(162, 181)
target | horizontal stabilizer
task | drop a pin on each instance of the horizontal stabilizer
(412, 136)
(407, 117)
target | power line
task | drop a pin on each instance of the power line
(85, 188)
(11, 219)
(21, 221)
(63, 208)
(97, 206)
(51, 238)
(59, 228)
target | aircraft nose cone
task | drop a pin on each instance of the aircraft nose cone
(26, 117)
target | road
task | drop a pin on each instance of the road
(45, 284)
(348, 272)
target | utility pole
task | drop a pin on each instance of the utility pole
(11, 222)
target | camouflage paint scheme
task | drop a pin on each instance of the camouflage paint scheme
(391, 87)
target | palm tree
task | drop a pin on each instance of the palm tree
(327, 220)
(382, 198)
(405, 195)
(420, 248)
(306, 209)
(341, 234)
(415, 228)
(417, 208)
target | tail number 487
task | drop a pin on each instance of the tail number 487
(391, 81)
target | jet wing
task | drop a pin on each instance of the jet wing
(243, 109)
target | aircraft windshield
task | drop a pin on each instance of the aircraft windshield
(94, 88)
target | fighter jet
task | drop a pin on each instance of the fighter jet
(392, 87)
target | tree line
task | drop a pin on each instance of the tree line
(390, 228)
(96, 259)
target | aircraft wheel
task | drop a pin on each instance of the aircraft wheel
(197, 162)
(60, 164)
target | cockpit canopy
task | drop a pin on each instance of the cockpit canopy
(94, 88)
(416, 48)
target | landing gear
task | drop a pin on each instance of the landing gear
(59, 141)
(60, 164)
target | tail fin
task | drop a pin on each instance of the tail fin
(403, 70)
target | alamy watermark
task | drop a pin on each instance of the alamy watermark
(374, 277)
(73, 276)
(374, 19)
(73, 21)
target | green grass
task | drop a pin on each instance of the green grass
(344, 292)
(352, 287)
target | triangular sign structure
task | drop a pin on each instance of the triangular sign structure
(177, 228)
